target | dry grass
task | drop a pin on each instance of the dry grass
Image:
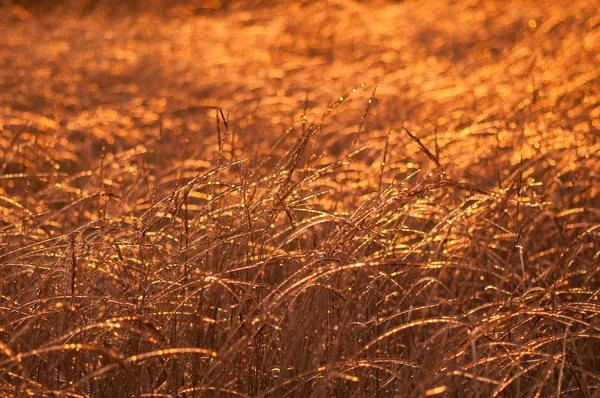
(197, 202)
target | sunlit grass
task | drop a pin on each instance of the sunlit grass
(335, 199)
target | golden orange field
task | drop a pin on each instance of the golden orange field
(300, 199)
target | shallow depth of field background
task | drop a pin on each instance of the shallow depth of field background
(334, 198)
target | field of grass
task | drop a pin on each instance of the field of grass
(300, 199)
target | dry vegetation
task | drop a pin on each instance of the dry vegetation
(317, 199)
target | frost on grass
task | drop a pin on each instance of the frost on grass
(345, 199)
